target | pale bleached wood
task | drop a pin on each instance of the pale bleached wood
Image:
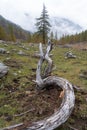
(68, 101)
(63, 112)
(48, 59)
(39, 80)
(43, 56)
(12, 127)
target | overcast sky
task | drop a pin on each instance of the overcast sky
(15, 10)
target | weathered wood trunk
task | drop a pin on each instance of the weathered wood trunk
(63, 112)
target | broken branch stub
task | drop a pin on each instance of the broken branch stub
(48, 69)
(49, 60)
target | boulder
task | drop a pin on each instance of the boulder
(2, 50)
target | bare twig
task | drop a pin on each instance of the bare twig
(12, 127)
(21, 114)
(75, 87)
(72, 128)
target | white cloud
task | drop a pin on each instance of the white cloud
(75, 10)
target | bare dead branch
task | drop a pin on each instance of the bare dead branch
(48, 69)
(72, 128)
(48, 59)
(13, 127)
(21, 114)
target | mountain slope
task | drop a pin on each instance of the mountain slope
(8, 26)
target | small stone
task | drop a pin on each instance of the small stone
(19, 71)
(15, 74)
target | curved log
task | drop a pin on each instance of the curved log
(63, 112)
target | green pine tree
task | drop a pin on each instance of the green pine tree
(11, 32)
(2, 34)
(43, 25)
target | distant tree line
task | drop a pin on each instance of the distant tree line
(13, 34)
(70, 39)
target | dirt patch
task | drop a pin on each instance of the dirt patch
(80, 46)
(13, 63)
(31, 105)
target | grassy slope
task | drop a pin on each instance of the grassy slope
(22, 72)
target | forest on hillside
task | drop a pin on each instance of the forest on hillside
(70, 39)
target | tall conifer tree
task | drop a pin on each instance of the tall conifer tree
(43, 25)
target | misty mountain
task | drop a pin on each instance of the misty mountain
(64, 26)
(61, 26)
(18, 31)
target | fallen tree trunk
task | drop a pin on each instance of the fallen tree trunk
(63, 112)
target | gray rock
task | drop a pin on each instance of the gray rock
(70, 55)
(3, 70)
(2, 50)
(21, 52)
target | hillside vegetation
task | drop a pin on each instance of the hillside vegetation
(76, 38)
(12, 32)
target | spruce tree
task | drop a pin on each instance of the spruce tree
(43, 25)
(2, 34)
(11, 33)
